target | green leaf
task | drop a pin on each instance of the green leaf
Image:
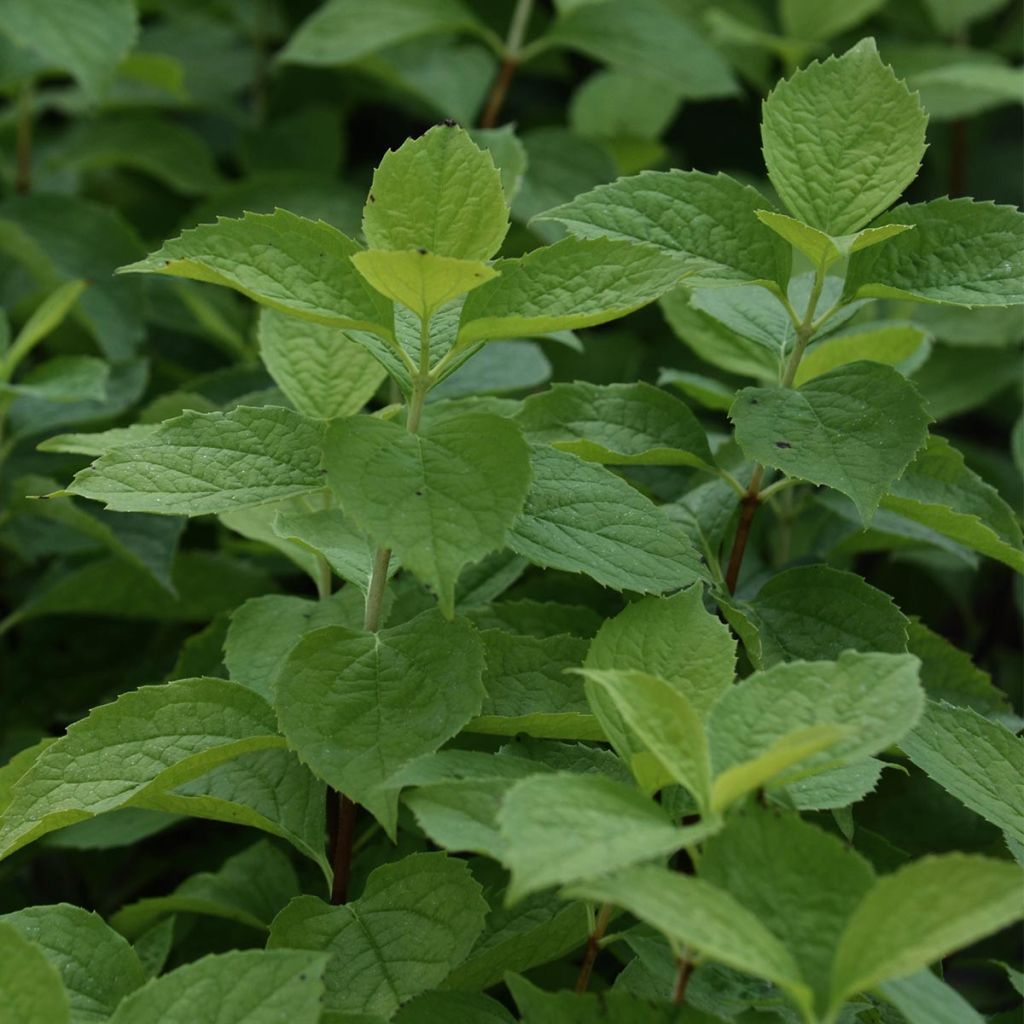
(876, 698)
(948, 674)
(97, 966)
(442, 1007)
(421, 280)
(817, 881)
(976, 760)
(794, 747)
(814, 612)
(45, 319)
(158, 146)
(890, 345)
(842, 139)
(581, 518)
(357, 707)
(700, 917)
(200, 463)
(571, 284)
(617, 424)
(960, 253)
(528, 691)
(715, 343)
(537, 930)
(64, 379)
(563, 829)
(416, 920)
(610, 1007)
(87, 39)
(855, 429)
(706, 391)
(344, 31)
(664, 722)
(921, 913)
(328, 533)
(266, 789)
(265, 629)
(29, 983)
(823, 19)
(951, 17)
(647, 38)
(706, 220)
(440, 192)
(203, 584)
(941, 492)
(147, 740)
(440, 499)
(675, 638)
(820, 248)
(289, 263)
(321, 370)
(253, 986)
(249, 888)
(923, 998)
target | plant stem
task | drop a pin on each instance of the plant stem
(684, 972)
(604, 915)
(23, 145)
(748, 507)
(323, 578)
(341, 848)
(375, 592)
(753, 497)
(509, 63)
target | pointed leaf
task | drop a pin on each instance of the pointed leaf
(571, 284)
(664, 722)
(564, 829)
(150, 739)
(817, 881)
(706, 220)
(696, 915)
(890, 345)
(581, 518)
(289, 263)
(960, 253)
(875, 698)
(941, 492)
(922, 912)
(617, 424)
(975, 759)
(199, 463)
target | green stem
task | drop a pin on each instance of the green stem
(510, 60)
(753, 497)
(375, 592)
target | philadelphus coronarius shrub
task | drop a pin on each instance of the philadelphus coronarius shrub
(653, 794)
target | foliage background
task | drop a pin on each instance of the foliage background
(216, 107)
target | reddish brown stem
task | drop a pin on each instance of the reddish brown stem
(499, 90)
(684, 972)
(958, 158)
(748, 507)
(593, 947)
(343, 833)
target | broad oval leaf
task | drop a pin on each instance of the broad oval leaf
(842, 139)
(417, 919)
(357, 706)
